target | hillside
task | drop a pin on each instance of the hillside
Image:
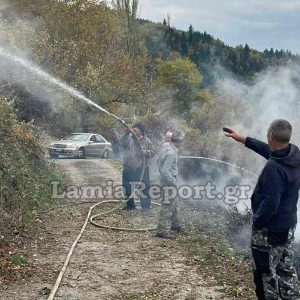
(67, 66)
(210, 53)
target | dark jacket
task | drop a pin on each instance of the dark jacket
(131, 150)
(115, 137)
(275, 197)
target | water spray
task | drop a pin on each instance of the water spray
(11, 83)
(44, 75)
(74, 92)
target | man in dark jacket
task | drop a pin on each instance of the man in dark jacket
(133, 151)
(274, 206)
(115, 143)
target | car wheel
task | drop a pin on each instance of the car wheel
(53, 156)
(105, 154)
(81, 153)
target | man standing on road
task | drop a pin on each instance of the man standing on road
(168, 169)
(115, 143)
(274, 206)
(133, 165)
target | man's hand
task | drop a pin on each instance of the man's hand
(229, 132)
(129, 131)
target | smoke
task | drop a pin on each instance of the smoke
(250, 108)
(17, 38)
(273, 94)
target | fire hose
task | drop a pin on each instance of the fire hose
(92, 218)
(97, 216)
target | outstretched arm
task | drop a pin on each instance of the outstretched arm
(257, 146)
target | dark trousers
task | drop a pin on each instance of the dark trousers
(116, 149)
(274, 274)
(131, 175)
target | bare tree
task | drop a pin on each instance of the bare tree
(128, 10)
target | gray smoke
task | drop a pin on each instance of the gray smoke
(273, 94)
(16, 38)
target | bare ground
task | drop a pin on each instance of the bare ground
(106, 264)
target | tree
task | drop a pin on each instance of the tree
(86, 45)
(128, 11)
(246, 54)
(184, 44)
(182, 77)
(190, 34)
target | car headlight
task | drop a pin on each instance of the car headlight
(51, 145)
(72, 147)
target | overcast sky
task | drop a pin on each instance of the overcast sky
(260, 23)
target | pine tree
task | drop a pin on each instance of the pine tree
(246, 54)
(184, 44)
(191, 34)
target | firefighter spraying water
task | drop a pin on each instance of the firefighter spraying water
(274, 200)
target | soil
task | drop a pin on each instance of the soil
(106, 264)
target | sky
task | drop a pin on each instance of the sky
(259, 23)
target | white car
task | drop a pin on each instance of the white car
(80, 145)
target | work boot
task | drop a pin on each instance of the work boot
(130, 205)
(164, 235)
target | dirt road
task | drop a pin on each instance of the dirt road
(106, 264)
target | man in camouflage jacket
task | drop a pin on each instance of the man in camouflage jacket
(135, 151)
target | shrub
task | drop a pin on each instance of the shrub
(25, 174)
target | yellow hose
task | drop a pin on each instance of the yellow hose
(91, 219)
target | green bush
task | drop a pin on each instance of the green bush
(25, 175)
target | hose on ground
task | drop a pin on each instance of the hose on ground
(92, 221)
(94, 217)
(88, 218)
(122, 204)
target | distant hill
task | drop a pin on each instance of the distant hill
(208, 53)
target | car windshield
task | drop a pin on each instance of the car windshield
(77, 137)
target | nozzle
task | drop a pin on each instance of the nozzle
(121, 121)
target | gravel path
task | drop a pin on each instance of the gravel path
(106, 264)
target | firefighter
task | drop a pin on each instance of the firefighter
(133, 165)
